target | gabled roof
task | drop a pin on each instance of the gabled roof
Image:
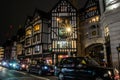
(59, 3)
(28, 20)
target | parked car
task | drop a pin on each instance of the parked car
(4, 63)
(40, 68)
(82, 68)
(14, 64)
(23, 65)
(18, 66)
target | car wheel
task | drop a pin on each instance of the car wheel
(28, 70)
(40, 72)
(98, 78)
(60, 76)
(20, 69)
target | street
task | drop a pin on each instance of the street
(6, 74)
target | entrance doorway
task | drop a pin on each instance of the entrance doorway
(96, 51)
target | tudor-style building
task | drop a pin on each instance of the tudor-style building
(41, 36)
(91, 33)
(28, 38)
(37, 37)
(64, 15)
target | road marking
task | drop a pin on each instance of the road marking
(24, 73)
(40, 77)
(20, 72)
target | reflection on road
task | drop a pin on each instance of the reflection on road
(6, 74)
(21, 78)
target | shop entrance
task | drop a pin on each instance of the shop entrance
(96, 51)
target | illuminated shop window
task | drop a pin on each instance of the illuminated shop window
(37, 48)
(28, 32)
(37, 27)
(94, 19)
(64, 44)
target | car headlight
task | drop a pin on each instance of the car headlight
(4, 63)
(45, 67)
(107, 74)
(10, 64)
(14, 65)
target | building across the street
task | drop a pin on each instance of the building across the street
(110, 23)
(64, 43)
(66, 30)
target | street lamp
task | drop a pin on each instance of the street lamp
(68, 29)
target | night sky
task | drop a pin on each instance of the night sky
(13, 13)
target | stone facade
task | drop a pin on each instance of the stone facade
(111, 19)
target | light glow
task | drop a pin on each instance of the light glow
(68, 29)
(23, 65)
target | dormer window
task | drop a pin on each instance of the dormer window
(28, 32)
(37, 27)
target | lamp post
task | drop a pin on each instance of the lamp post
(118, 49)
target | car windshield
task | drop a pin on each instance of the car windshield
(87, 61)
(14, 61)
(92, 62)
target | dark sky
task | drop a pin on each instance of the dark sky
(14, 12)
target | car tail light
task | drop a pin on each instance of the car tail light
(116, 73)
(23, 65)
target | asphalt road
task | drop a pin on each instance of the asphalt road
(6, 74)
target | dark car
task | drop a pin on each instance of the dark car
(82, 68)
(40, 68)
(14, 64)
(23, 66)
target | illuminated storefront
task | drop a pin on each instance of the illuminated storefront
(63, 42)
